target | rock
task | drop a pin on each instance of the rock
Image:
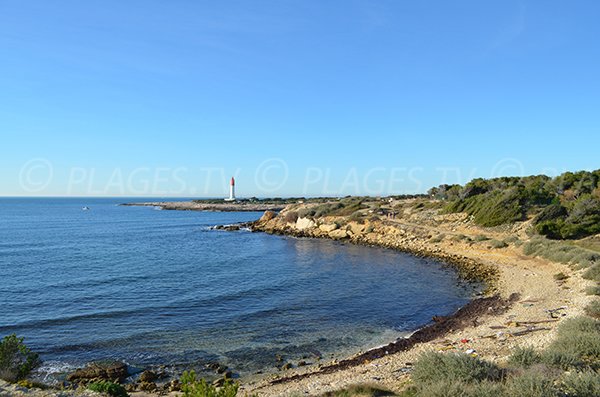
(329, 227)
(302, 363)
(148, 376)
(305, 223)
(219, 382)
(287, 366)
(228, 375)
(174, 385)
(338, 234)
(131, 387)
(356, 228)
(147, 386)
(110, 370)
(267, 216)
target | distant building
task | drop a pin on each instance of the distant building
(231, 190)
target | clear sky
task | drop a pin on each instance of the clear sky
(324, 97)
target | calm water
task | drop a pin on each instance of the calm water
(159, 287)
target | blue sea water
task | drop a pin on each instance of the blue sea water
(156, 287)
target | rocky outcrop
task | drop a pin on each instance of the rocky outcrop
(113, 371)
(305, 223)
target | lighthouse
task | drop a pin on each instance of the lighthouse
(231, 190)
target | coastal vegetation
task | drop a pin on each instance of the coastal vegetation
(109, 388)
(565, 207)
(567, 367)
(16, 359)
(191, 386)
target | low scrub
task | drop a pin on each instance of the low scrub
(567, 367)
(593, 290)
(593, 309)
(112, 389)
(563, 252)
(193, 387)
(16, 359)
(363, 390)
(432, 367)
(583, 384)
(497, 244)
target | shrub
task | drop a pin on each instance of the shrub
(560, 276)
(593, 290)
(16, 359)
(584, 384)
(437, 239)
(525, 357)
(593, 273)
(498, 244)
(193, 387)
(561, 252)
(481, 237)
(577, 341)
(593, 310)
(359, 390)
(530, 384)
(432, 367)
(112, 389)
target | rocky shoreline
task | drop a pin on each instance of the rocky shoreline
(521, 293)
(215, 207)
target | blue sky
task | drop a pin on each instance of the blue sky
(171, 98)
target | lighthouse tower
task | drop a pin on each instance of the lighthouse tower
(231, 190)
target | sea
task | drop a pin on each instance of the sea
(163, 289)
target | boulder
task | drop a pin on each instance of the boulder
(267, 216)
(338, 234)
(356, 228)
(305, 223)
(109, 370)
(329, 227)
(148, 376)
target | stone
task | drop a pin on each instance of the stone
(328, 227)
(305, 223)
(147, 386)
(338, 234)
(109, 370)
(356, 228)
(174, 385)
(287, 366)
(267, 216)
(219, 382)
(148, 376)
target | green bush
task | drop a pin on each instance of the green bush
(497, 244)
(360, 390)
(530, 384)
(112, 389)
(193, 387)
(16, 359)
(481, 237)
(562, 252)
(577, 341)
(593, 309)
(432, 367)
(593, 273)
(560, 276)
(593, 290)
(524, 357)
(584, 384)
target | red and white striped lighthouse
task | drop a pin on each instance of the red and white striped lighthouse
(231, 190)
